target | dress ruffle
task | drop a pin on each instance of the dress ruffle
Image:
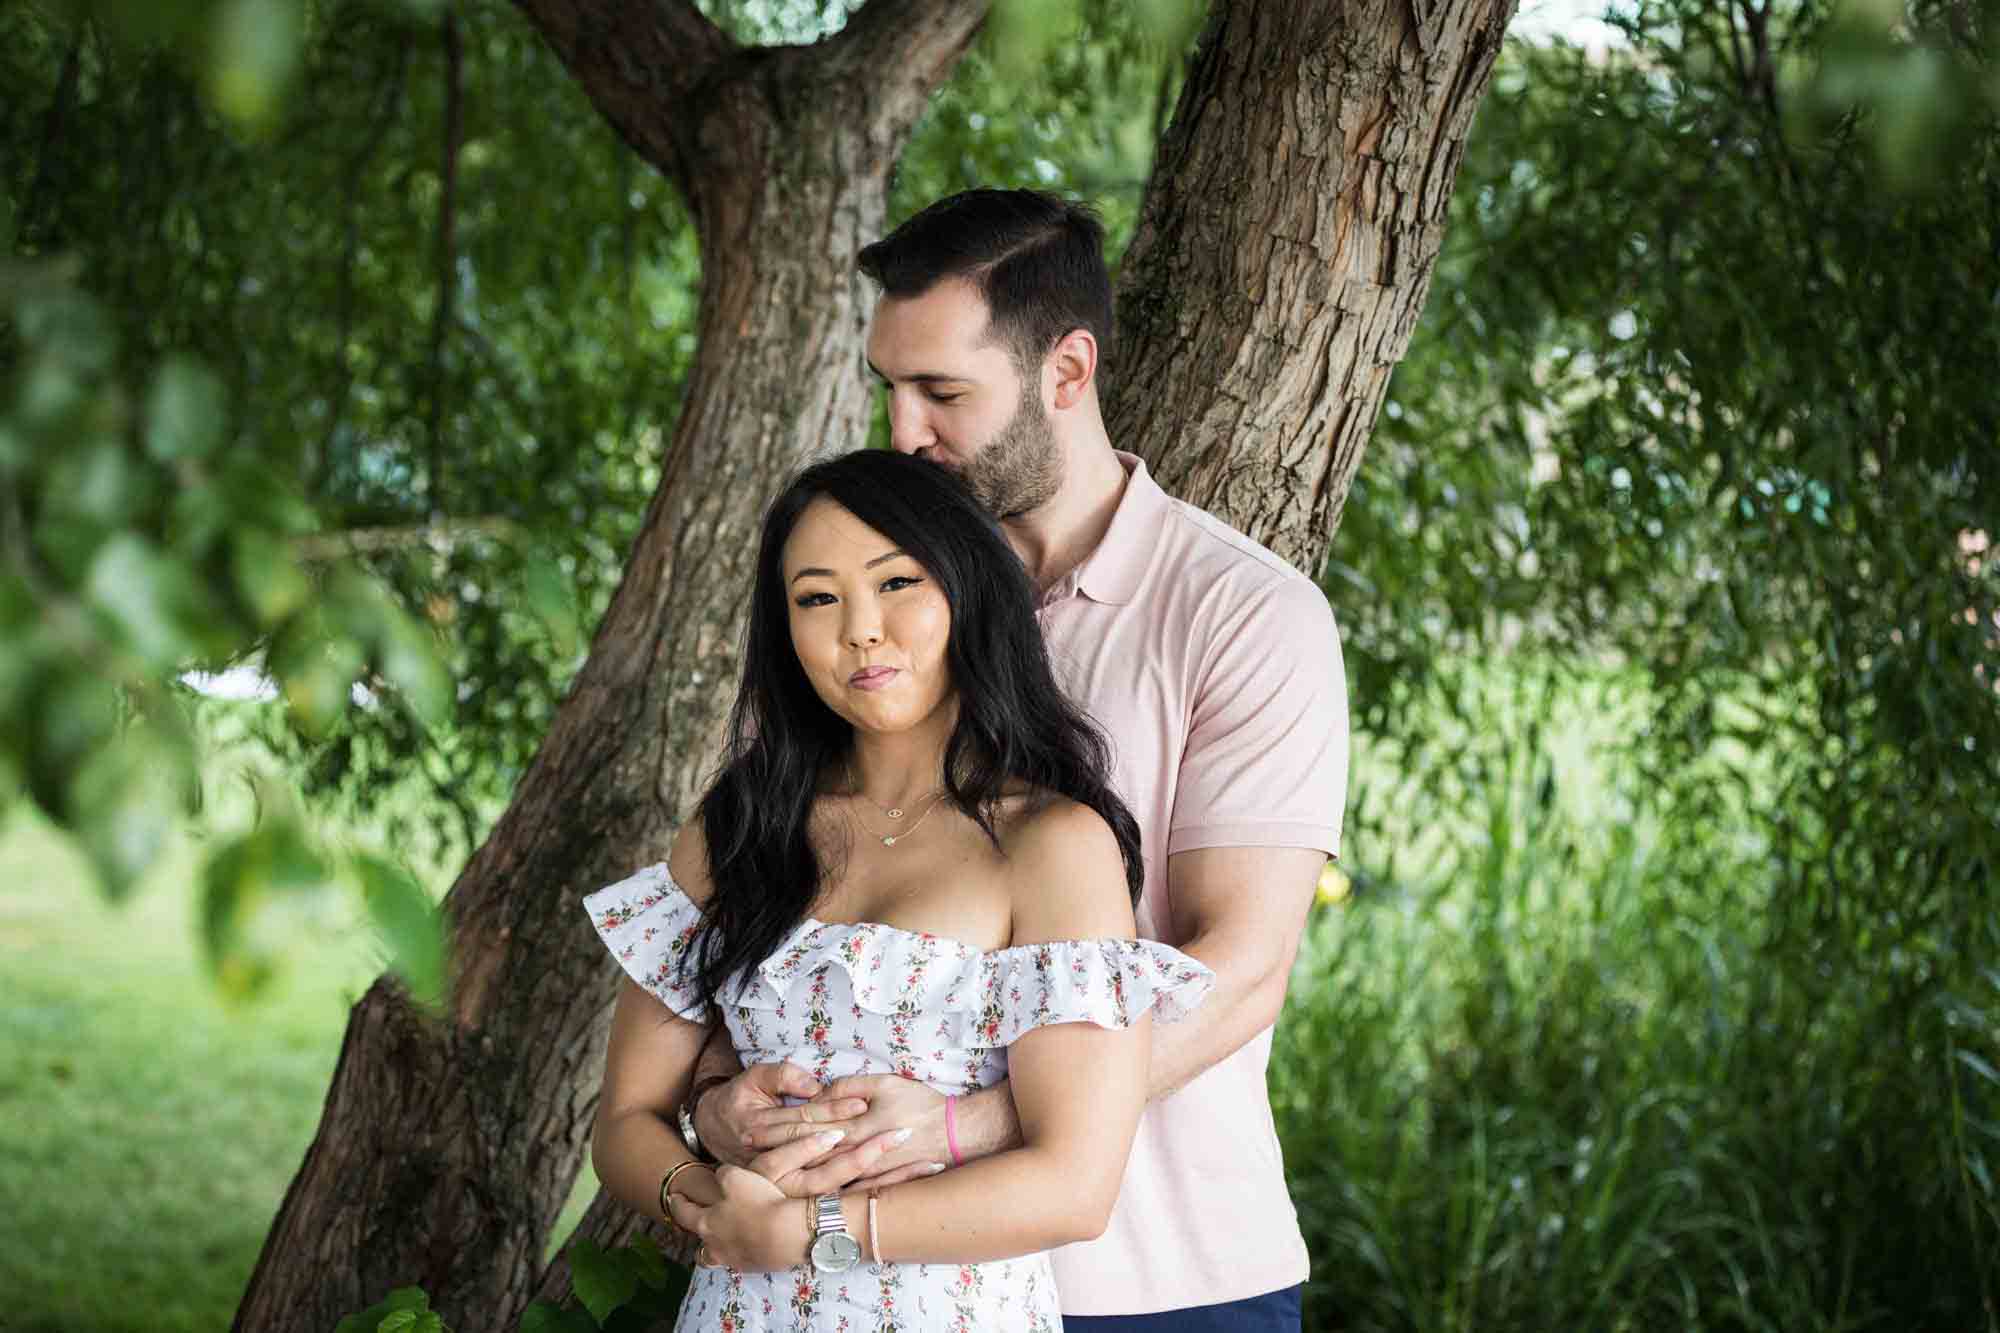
(648, 923)
(992, 996)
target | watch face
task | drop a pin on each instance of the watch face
(835, 1252)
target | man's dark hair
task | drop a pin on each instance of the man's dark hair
(1038, 260)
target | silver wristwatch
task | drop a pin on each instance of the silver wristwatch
(833, 1250)
(692, 1139)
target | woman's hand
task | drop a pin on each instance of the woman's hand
(752, 1227)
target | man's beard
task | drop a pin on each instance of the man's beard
(1020, 468)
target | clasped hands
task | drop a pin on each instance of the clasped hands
(865, 1132)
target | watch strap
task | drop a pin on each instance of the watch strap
(686, 1116)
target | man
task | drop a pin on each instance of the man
(1215, 670)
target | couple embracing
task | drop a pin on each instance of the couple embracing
(952, 1005)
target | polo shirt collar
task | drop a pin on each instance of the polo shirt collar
(1113, 572)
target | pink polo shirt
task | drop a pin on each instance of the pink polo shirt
(1214, 667)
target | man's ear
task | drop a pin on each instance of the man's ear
(1074, 359)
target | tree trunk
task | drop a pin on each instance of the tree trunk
(1283, 254)
(1285, 248)
(448, 1143)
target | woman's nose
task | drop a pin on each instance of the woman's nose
(864, 631)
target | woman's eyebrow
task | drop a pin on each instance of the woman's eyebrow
(827, 573)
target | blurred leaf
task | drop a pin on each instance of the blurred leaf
(315, 669)
(1023, 31)
(126, 800)
(253, 49)
(410, 662)
(409, 924)
(165, 614)
(70, 717)
(268, 576)
(184, 411)
(256, 892)
(548, 594)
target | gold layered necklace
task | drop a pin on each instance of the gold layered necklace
(893, 812)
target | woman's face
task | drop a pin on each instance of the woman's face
(869, 624)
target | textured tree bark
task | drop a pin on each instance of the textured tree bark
(1285, 249)
(448, 1143)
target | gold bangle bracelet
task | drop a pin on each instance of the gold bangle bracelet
(666, 1184)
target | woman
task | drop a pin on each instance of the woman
(911, 861)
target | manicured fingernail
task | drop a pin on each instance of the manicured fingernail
(933, 1168)
(900, 1137)
(855, 1107)
(828, 1137)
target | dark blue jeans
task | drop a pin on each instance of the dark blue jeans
(1273, 1312)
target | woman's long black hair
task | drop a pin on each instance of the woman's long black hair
(1014, 723)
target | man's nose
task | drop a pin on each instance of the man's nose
(909, 426)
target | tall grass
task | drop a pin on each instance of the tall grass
(1553, 1077)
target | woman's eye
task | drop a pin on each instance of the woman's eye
(814, 599)
(900, 581)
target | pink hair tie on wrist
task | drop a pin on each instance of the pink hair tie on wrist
(951, 1129)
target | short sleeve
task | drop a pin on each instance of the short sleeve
(1266, 758)
(648, 924)
(1112, 983)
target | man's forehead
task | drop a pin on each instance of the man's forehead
(949, 317)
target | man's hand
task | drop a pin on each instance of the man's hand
(899, 1135)
(748, 1112)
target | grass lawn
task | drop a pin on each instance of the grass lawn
(148, 1129)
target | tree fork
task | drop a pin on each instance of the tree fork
(449, 1142)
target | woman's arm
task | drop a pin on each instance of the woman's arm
(1079, 1089)
(647, 1069)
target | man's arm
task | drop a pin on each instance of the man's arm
(1240, 910)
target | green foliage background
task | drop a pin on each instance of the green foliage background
(1665, 994)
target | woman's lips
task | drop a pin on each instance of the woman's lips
(872, 678)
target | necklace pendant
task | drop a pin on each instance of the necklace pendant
(889, 841)
(894, 814)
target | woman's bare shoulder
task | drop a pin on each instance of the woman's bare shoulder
(1066, 874)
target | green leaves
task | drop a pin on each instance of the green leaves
(623, 1289)
(1920, 97)
(156, 604)
(603, 1279)
(258, 891)
(404, 1310)
(185, 416)
(136, 551)
(409, 925)
(541, 1317)
(253, 47)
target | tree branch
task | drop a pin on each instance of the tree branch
(392, 97)
(52, 129)
(447, 246)
(439, 535)
(906, 38)
(638, 61)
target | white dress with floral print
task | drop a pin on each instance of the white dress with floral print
(871, 999)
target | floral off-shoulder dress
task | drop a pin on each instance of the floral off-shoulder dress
(841, 999)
